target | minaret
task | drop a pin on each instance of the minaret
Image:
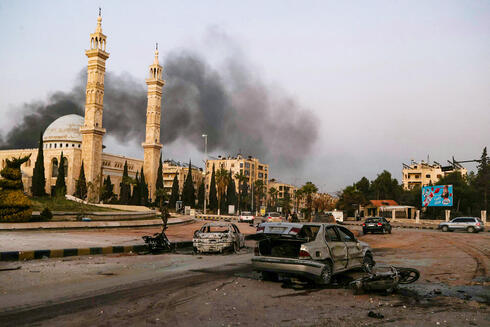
(92, 131)
(152, 144)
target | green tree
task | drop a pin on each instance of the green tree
(143, 189)
(221, 184)
(231, 197)
(174, 196)
(200, 196)
(349, 199)
(14, 205)
(107, 195)
(241, 178)
(463, 194)
(259, 192)
(81, 185)
(482, 180)
(363, 186)
(125, 192)
(38, 177)
(298, 194)
(159, 182)
(188, 191)
(213, 198)
(286, 202)
(60, 186)
(308, 190)
(273, 192)
(385, 188)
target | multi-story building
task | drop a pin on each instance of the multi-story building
(282, 190)
(173, 168)
(419, 174)
(250, 167)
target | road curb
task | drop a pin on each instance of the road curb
(71, 252)
(95, 225)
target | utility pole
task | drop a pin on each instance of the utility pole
(205, 136)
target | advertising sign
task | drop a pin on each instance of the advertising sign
(437, 196)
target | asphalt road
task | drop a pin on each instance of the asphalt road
(186, 290)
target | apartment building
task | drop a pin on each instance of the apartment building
(173, 168)
(419, 174)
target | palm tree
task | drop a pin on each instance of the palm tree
(241, 179)
(273, 192)
(259, 191)
(298, 194)
(222, 176)
(309, 189)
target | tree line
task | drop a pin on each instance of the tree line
(470, 192)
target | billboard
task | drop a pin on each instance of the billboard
(437, 196)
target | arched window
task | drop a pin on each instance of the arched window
(54, 167)
(55, 145)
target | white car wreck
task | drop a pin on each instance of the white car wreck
(218, 237)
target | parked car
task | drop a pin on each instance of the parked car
(268, 217)
(315, 251)
(218, 237)
(376, 224)
(246, 217)
(469, 224)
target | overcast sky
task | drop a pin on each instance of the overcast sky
(387, 81)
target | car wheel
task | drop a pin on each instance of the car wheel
(389, 231)
(368, 263)
(471, 229)
(445, 228)
(269, 276)
(383, 230)
(364, 232)
(326, 274)
(236, 248)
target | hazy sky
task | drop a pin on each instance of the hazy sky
(388, 81)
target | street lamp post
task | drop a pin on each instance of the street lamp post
(205, 136)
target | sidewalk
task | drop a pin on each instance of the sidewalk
(59, 225)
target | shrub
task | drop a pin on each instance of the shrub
(46, 214)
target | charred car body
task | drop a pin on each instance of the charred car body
(218, 237)
(315, 251)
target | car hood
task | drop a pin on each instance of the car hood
(212, 235)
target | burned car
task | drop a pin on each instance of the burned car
(314, 251)
(218, 237)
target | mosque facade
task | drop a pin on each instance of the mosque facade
(80, 139)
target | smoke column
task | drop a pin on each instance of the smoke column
(236, 110)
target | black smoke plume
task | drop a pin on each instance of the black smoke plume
(232, 106)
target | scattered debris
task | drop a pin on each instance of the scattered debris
(10, 268)
(376, 315)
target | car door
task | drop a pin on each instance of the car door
(239, 236)
(456, 223)
(354, 248)
(337, 247)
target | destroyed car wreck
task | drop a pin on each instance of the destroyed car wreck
(218, 237)
(314, 251)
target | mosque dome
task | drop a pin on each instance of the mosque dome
(64, 129)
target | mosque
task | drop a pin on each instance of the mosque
(80, 138)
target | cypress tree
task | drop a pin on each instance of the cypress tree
(107, 191)
(200, 196)
(159, 182)
(231, 197)
(188, 191)
(81, 185)
(213, 197)
(38, 177)
(174, 196)
(60, 186)
(143, 189)
(136, 195)
(125, 193)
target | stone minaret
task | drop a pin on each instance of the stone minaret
(152, 144)
(92, 131)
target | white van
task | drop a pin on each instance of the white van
(338, 215)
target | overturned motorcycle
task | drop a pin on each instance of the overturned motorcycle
(158, 243)
(385, 278)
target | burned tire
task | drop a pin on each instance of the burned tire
(269, 276)
(408, 275)
(368, 263)
(471, 229)
(445, 229)
(326, 274)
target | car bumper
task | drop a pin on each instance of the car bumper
(296, 267)
(212, 246)
(374, 228)
(246, 220)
